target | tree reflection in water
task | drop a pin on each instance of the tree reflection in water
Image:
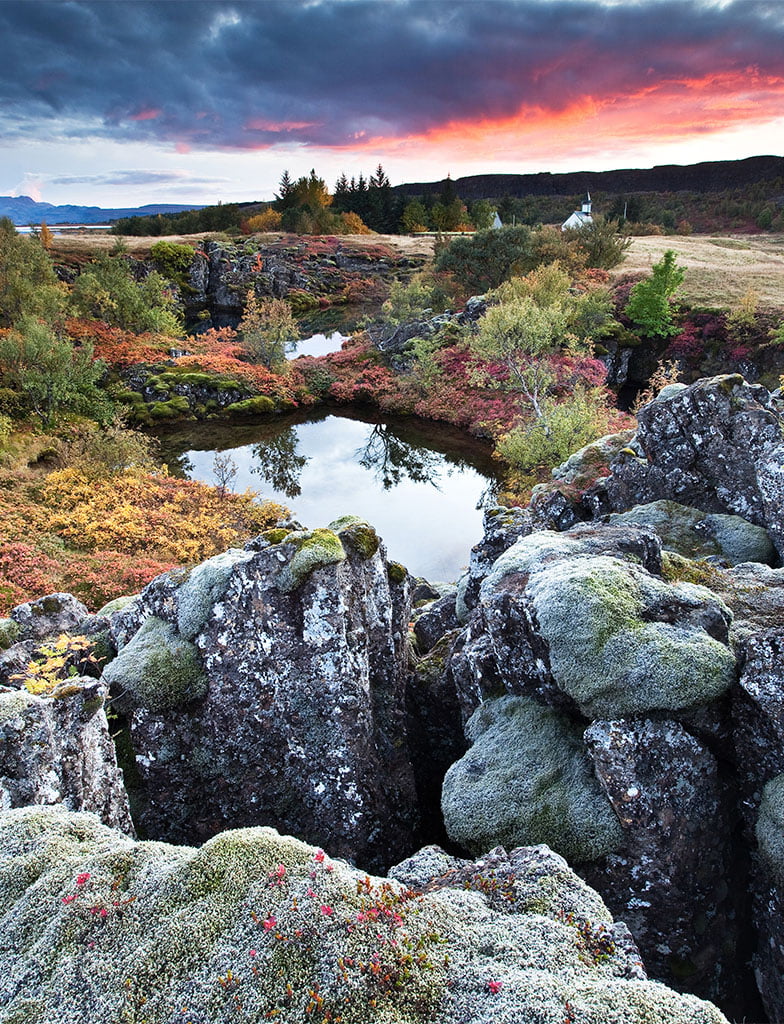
(279, 463)
(391, 459)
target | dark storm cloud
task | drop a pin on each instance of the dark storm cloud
(247, 74)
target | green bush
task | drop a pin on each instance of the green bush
(649, 306)
(482, 261)
(171, 258)
(28, 283)
(107, 291)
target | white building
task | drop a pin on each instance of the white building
(580, 217)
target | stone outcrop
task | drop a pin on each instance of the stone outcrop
(267, 686)
(96, 927)
(769, 902)
(57, 750)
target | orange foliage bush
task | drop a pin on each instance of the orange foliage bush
(153, 514)
(117, 347)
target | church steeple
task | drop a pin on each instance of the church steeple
(587, 204)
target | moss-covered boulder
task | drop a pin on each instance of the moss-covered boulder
(527, 780)
(618, 639)
(696, 534)
(259, 926)
(158, 670)
(769, 903)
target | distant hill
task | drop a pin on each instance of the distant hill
(24, 210)
(711, 176)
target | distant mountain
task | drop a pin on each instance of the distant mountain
(24, 210)
(712, 176)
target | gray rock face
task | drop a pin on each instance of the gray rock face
(94, 927)
(433, 621)
(670, 881)
(268, 687)
(716, 446)
(57, 750)
(49, 616)
(502, 527)
(633, 643)
(769, 903)
(758, 719)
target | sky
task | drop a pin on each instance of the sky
(194, 101)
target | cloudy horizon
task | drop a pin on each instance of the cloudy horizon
(121, 102)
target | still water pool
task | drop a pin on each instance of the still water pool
(421, 485)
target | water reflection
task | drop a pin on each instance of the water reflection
(419, 484)
(277, 461)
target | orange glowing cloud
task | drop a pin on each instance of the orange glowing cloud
(148, 114)
(258, 124)
(667, 110)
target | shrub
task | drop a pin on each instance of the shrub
(268, 331)
(650, 302)
(482, 261)
(107, 291)
(601, 241)
(171, 259)
(267, 220)
(28, 283)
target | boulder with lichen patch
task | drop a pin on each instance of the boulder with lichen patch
(575, 618)
(267, 686)
(48, 616)
(527, 780)
(96, 927)
(57, 749)
(697, 534)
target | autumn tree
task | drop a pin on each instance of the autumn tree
(268, 331)
(107, 290)
(28, 283)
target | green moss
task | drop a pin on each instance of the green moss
(116, 605)
(15, 703)
(678, 569)
(204, 588)
(157, 669)
(314, 550)
(358, 535)
(9, 633)
(770, 828)
(396, 572)
(258, 406)
(172, 409)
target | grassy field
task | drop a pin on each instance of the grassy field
(719, 270)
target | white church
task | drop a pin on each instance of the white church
(579, 218)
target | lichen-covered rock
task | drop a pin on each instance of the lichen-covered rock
(671, 879)
(527, 780)
(502, 527)
(613, 638)
(769, 903)
(697, 534)
(58, 750)
(267, 686)
(157, 669)
(716, 445)
(9, 633)
(433, 621)
(758, 718)
(96, 927)
(48, 616)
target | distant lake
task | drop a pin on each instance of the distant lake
(422, 485)
(63, 229)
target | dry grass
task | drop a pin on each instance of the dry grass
(719, 269)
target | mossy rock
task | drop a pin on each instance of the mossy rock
(358, 535)
(696, 534)
(314, 549)
(205, 586)
(157, 669)
(174, 408)
(259, 406)
(396, 573)
(770, 828)
(527, 780)
(9, 633)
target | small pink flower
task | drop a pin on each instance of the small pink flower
(252, 952)
(494, 987)
(329, 867)
(319, 856)
(270, 923)
(311, 892)
(81, 879)
(280, 870)
(361, 917)
(69, 899)
(327, 911)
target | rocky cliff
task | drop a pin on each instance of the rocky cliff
(605, 682)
